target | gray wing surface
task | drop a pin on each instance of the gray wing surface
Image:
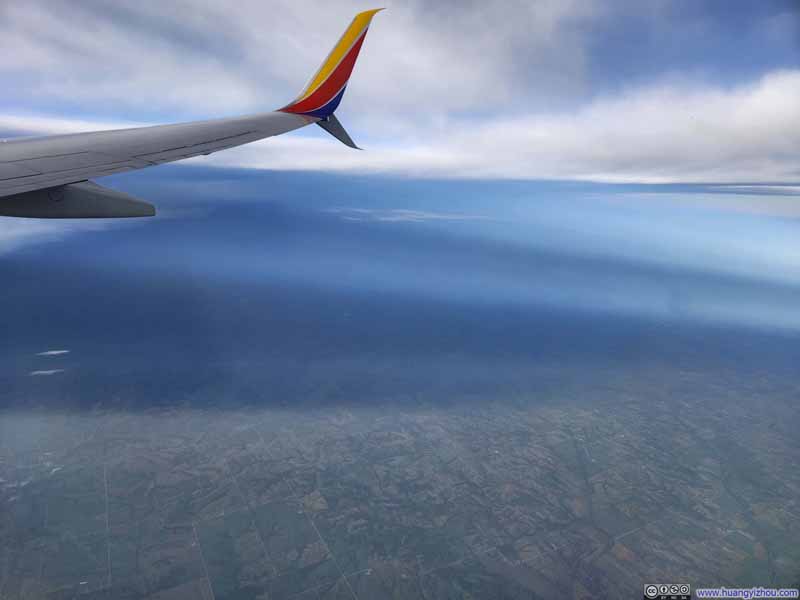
(31, 164)
(48, 177)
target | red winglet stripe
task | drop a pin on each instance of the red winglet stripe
(328, 90)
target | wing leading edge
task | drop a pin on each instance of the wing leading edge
(47, 177)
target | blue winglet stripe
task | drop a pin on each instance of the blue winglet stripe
(327, 110)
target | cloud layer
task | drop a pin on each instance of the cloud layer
(664, 133)
(520, 90)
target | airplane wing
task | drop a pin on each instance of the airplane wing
(48, 177)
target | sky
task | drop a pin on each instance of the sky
(612, 157)
(621, 91)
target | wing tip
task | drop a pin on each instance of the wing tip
(370, 13)
(321, 96)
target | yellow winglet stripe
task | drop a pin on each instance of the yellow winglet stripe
(360, 22)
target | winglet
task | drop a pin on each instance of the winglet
(325, 90)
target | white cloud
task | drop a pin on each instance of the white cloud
(662, 133)
(655, 134)
(475, 90)
(37, 124)
(190, 57)
(53, 353)
(45, 373)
